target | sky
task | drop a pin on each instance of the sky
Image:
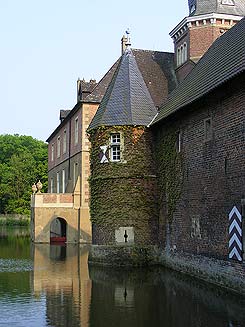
(45, 46)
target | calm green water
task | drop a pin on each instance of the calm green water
(46, 285)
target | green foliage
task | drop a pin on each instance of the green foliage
(170, 174)
(23, 161)
(124, 193)
(14, 222)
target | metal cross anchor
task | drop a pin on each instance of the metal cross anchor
(125, 236)
(103, 154)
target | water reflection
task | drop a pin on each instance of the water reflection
(43, 285)
(159, 297)
(61, 273)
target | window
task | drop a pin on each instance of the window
(58, 146)
(178, 142)
(64, 141)
(51, 185)
(185, 52)
(63, 180)
(115, 152)
(58, 182)
(76, 130)
(52, 152)
(182, 54)
(227, 2)
(208, 129)
(75, 173)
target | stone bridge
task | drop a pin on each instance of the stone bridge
(60, 214)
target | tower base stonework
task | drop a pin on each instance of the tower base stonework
(122, 255)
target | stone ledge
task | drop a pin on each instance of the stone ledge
(118, 255)
(227, 274)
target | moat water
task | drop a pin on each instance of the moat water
(45, 285)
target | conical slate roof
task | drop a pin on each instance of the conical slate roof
(127, 100)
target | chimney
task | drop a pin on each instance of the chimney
(79, 90)
(124, 41)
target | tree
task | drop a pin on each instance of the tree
(23, 161)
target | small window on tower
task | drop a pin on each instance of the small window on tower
(115, 147)
(228, 2)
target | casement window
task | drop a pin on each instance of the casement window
(115, 147)
(63, 180)
(52, 152)
(76, 131)
(208, 130)
(51, 185)
(58, 146)
(64, 141)
(58, 182)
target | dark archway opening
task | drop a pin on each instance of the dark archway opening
(58, 230)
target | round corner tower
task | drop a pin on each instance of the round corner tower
(123, 205)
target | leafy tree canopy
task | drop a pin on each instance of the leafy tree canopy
(23, 161)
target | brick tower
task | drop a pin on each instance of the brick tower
(207, 20)
(123, 204)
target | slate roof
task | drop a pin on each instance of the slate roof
(216, 6)
(157, 69)
(224, 60)
(127, 100)
(100, 89)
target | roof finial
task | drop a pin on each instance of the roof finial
(128, 43)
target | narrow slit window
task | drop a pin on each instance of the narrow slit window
(58, 147)
(208, 131)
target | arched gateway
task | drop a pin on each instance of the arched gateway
(59, 217)
(58, 230)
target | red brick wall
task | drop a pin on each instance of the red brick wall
(201, 39)
(213, 171)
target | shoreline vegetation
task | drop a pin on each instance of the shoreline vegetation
(14, 220)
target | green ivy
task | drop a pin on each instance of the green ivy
(123, 192)
(170, 172)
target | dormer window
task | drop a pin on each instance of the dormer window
(228, 2)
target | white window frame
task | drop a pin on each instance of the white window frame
(181, 55)
(64, 141)
(58, 182)
(52, 152)
(76, 131)
(63, 180)
(51, 185)
(115, 147)
(179, 139)
(58, 146)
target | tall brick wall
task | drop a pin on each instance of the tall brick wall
(213, 172)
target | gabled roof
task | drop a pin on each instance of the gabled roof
(229, 7)
(224, 60)
(127, 100)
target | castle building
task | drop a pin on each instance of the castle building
(167, 160)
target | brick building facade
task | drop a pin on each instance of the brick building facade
(167, 150)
